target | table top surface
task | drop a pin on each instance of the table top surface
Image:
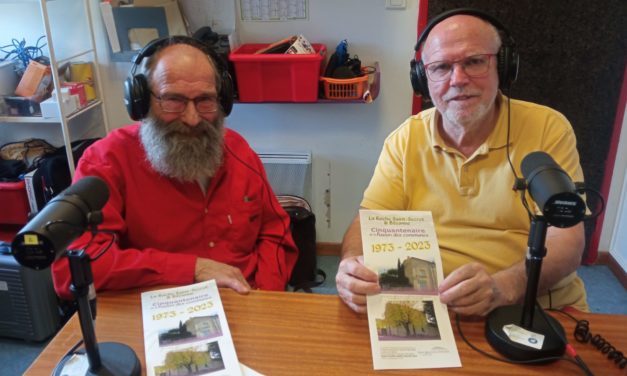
(286, 333)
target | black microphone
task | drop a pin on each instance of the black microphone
(66, 217)
(553, 190)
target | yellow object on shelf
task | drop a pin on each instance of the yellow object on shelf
(83, 72)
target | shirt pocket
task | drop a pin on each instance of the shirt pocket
(245, 219)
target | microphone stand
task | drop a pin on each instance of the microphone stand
(107, 358)
(512, 330)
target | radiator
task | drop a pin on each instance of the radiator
(289, 173)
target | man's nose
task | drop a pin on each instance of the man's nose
(458, 75)
(190, 115)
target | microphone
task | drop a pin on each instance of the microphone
(62, 220)
(45, 238)
(553, 190)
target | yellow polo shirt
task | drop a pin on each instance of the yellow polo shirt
(477, 215)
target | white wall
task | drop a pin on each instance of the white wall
(345, 139)
(614, 231)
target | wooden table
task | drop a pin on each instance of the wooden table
(285, 333)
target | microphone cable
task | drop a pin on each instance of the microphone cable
(270, 194)
(519, 184)
(583, 334)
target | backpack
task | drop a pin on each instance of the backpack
(17, 158)
(53, 173)
(303, 226)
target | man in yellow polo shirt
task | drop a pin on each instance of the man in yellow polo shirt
(453, 160)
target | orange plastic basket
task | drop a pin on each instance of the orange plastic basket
(348, 88)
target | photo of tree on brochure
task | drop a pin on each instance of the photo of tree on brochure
(412, 276)
(204, 359)
(408, 320)
(192, 330)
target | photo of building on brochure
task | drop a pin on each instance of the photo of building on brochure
(188, 352)
(192, 330)
(410, 319)
(413, 318)
(200, 359)
(412, 275)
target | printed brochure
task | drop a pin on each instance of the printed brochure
(186, 332)
(409, 326)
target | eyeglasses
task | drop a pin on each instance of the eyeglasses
(473, 66)
(177, 103)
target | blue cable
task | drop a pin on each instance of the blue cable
(22, 53)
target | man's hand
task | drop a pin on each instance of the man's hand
(225, 275)
(470, 291)
(354, 281)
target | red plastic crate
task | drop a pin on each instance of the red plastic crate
(277, 77)
(13, 203)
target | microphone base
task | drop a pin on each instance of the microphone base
(553, 345)
(117, 359)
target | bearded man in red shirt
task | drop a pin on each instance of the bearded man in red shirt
(189, 199)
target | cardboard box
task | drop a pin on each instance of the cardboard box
(35, 81)
(78, 89)
(50, 109)
(69, 103)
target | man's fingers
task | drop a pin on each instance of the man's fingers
(237, 283)
(458, 275)
(355, 267)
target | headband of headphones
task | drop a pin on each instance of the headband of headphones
(507, 56)
(137, 92)
(467, 11)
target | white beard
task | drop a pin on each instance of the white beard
(181, 152)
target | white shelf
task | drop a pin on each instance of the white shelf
(39, 119)
(69, 36)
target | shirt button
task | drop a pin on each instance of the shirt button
(212, 244)
(206, 211)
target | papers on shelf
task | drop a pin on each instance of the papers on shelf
(109, 22)
(186, 327)
(409, 326)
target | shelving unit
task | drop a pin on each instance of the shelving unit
(69, 33)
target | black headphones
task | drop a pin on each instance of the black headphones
(137, 92)
(507, 56)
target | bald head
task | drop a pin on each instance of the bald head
(460, 32)
(181, 59)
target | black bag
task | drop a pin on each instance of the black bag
(53, 174)
(19, 157)
(303, 226)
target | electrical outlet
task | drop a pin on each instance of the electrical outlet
(396, 4)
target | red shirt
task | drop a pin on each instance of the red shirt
(163, 225)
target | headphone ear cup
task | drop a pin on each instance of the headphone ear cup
(136, 96)
(418, 78)
(502, 68)
(507, 66)
(226, 93)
